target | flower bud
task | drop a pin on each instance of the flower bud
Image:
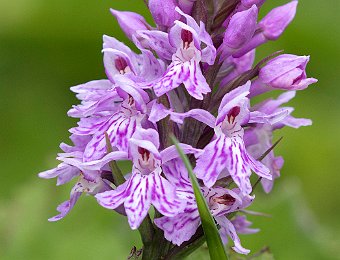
(276, 21)
(186, 5)
(130, 22)
(240, 30)
(163, 12)
(249, 3)
(270, 27)
(286, 71)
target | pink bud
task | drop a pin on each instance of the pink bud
(130, 22)
(276, 21)
(249, 3)
(286, 71)
(163, 12)
(240, 30)
(186, 5)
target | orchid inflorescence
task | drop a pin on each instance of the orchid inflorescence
(193, 77)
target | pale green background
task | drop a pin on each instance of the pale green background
(48, 46)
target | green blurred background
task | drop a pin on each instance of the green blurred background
(48, 46)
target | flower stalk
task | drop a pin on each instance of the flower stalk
(192, 79)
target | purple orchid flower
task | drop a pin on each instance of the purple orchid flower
(119, 126)
(89, 181)
(259, 138)
(221, 202)
(98, 98)
(122, 64)
(147, 96)
(184, 42)
(146, 186)
(227, 151)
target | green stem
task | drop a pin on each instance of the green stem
(185, 249)
(159, 246)
(117, 174)
(147, 232)
(188, 249)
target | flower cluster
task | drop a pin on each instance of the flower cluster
(193, 77)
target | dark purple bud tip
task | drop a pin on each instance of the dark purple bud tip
(233, 113)
(187, 37)
(121, 65)
(226, 199)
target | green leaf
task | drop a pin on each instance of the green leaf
(214, 242)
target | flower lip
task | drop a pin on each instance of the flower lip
(187, 38)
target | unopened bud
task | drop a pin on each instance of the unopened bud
(240, 30)
(163, 12)
(276, 21)
(130, 22)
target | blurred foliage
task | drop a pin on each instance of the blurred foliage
(48, 46)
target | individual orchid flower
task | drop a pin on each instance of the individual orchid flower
(82, 186)
(121, 62)
(227, 151)
(146, 185)
(221, 202)
(119, 126)
(98, 98)
(259, 138)
(89, 182)
(185, 40)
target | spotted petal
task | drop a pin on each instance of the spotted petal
(228, 230)
(189, 73)
(213, 160)
(164, 196)
(89, 126)
(113, 198)
(119, 128)
(63, 171)
(157, 41)
(228, 153)
(65, 207)
(198, 114)
(183, 226)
